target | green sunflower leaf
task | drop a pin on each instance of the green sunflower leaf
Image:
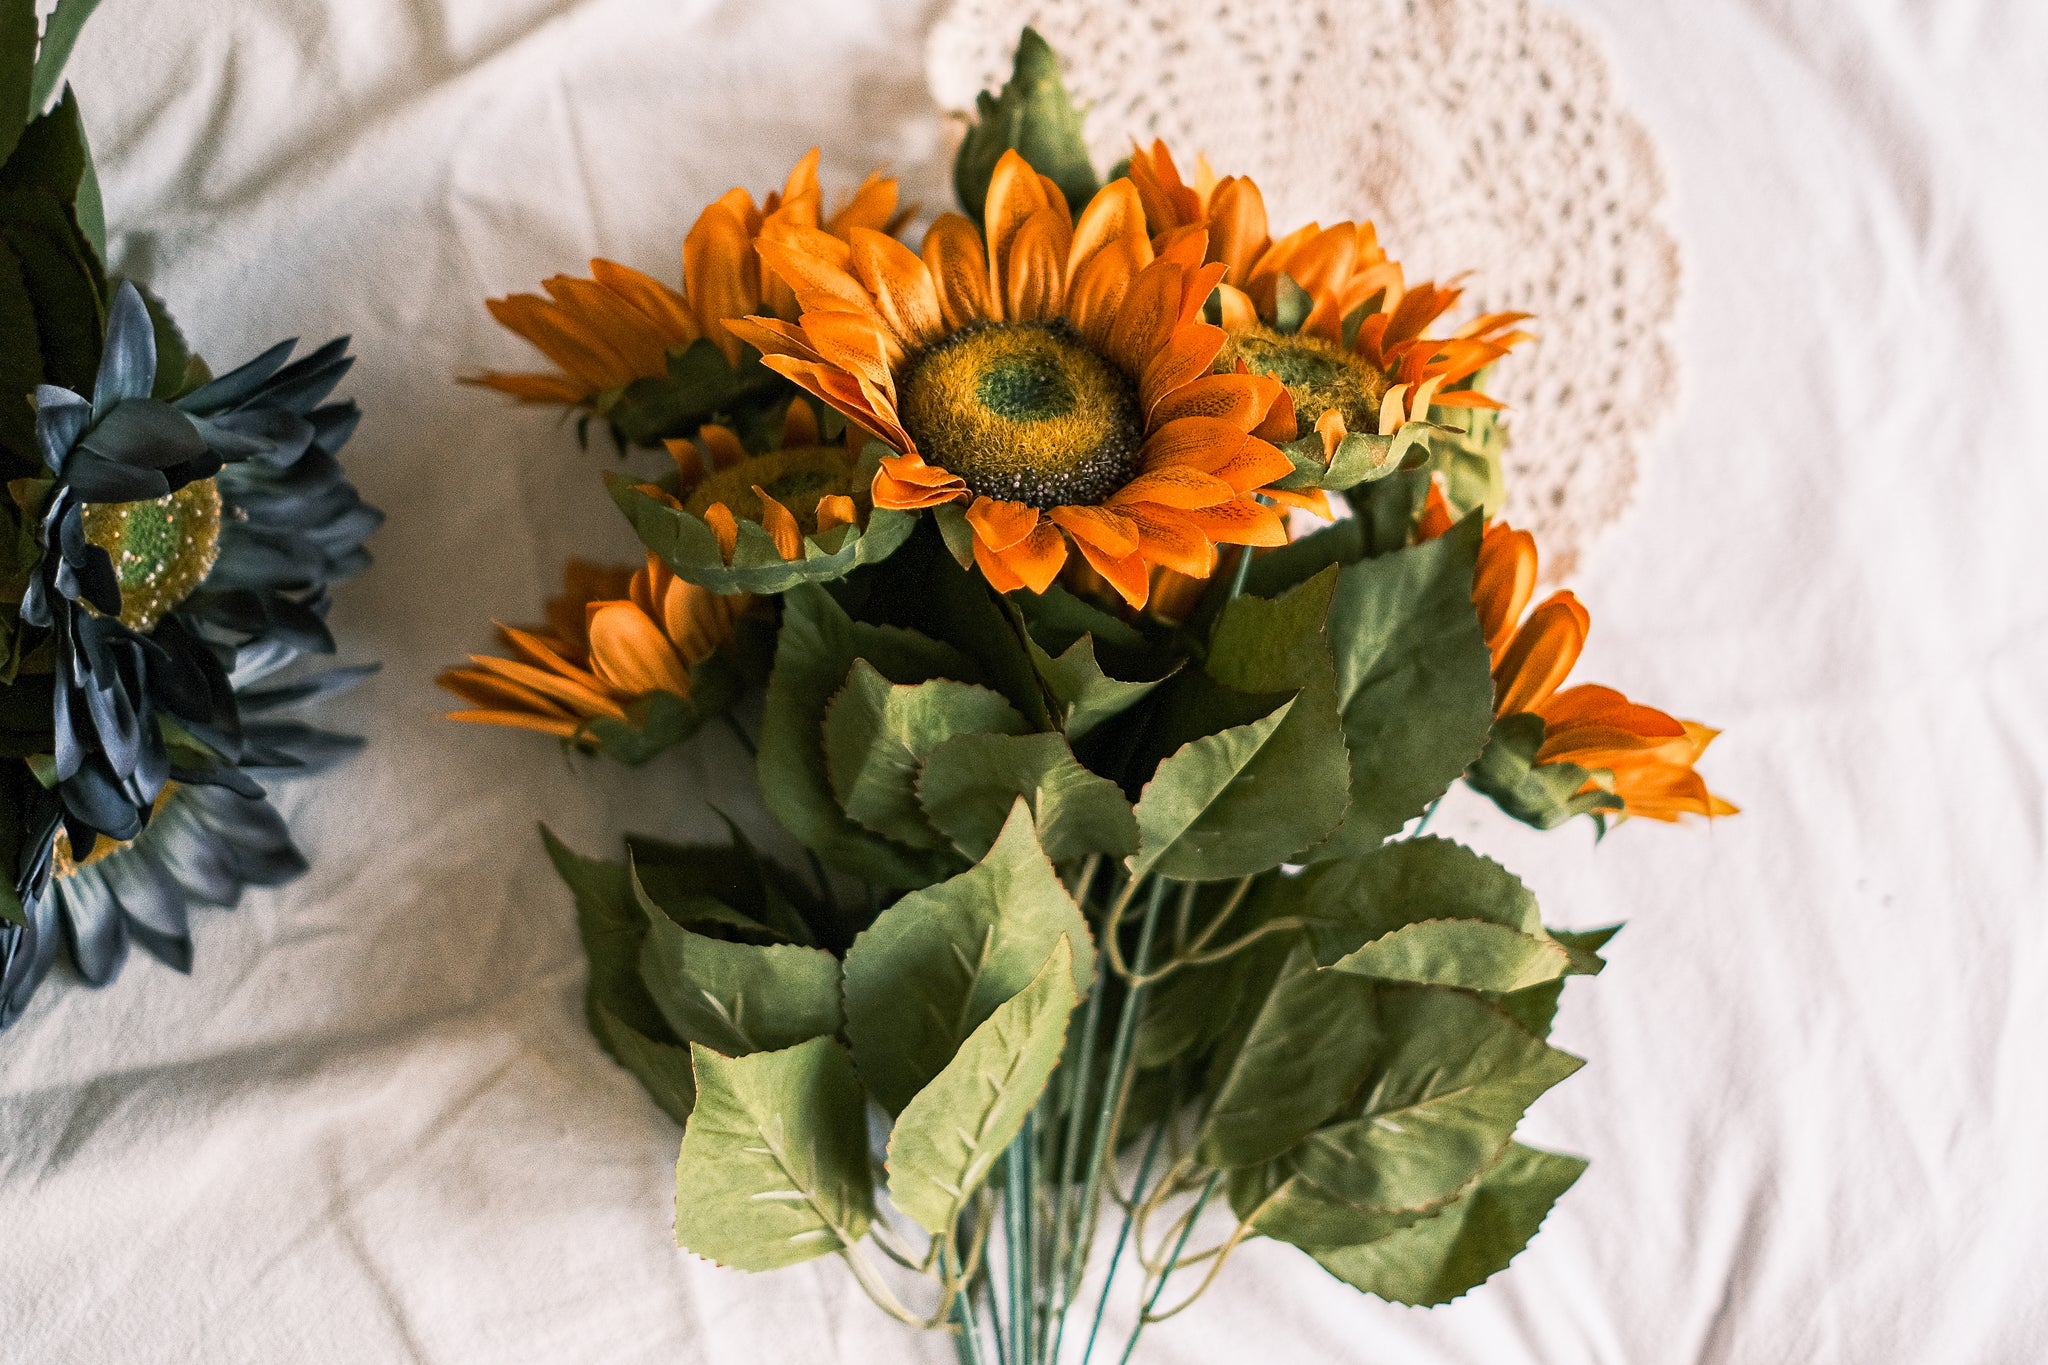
(878, 734)
(722, 890)
(1535, 1007)
(1249, 797)
(1302, 1056)
(950, 1135)
(21, 365)
(621, 1014)
(65, 286)
(739, 997)
(1363, 457)
(663, 1069)
(1246, 799)
(19, 35)
(1470, 458)
(1084, 696)
(939, 961)
(971, 782)
(921, 588)
(1033, 116)
(51, 154)
(1414, 681)
(1279, 1203)
(774, 1167)
(1440, 1258)
(689, 546)
(815, 650)
(60, 34)
(1430, 911)
(1450, 1079)
(1273, 644)
(1544, 795)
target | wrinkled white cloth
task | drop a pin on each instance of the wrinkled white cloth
(371, 1125)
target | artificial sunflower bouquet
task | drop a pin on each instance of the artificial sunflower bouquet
(1107, 589)
(167, 547)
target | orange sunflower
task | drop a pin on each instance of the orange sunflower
(801, 488)
(619, 325)
(1347, 335)
(614, 636)
(1637, 753)
(1048, 380)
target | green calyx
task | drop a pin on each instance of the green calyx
(689, 545)
(1025, 412)
(1033, 116)
(1320, 376)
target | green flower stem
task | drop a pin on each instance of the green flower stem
(1123, 1236)
(1180, 1245)
(1075, 1096)
(967, 1341)
(1424, 823)
(1019, 1215)
(1103, 1148)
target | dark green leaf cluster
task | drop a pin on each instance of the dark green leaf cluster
(754, 1014)
(1353, 1026)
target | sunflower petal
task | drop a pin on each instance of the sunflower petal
(718, 274)
(959, 269)
(901, 284)
(1001, 524)
(1540, 656)
(836, 509)
(725, 526)
(1242, 521)
(1503, 583)
(1037, 559)
(1107, 530)
(632, 655)
(1167, 537)
(1034, 268)
(1179, 486)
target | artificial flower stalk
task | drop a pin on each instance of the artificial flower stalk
(1126, 783)
(174, 537)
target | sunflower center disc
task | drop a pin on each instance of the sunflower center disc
(797, 478)
(162, 549)
(1319, 375)
(1025, 412)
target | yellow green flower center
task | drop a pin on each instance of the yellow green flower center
(797, 478)
(1025, 412)
(1320, 376)
(162, 549)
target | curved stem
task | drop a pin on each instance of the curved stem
(1238, 945)
(1113, 923)
(1222, 1254)
(886, 1240)
(1193, 956)
(1152, 1302)
(885, 1299)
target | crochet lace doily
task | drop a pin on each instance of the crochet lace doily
(1479, 135)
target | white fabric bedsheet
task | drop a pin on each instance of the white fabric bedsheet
(371, 1126)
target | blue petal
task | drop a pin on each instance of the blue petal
(128, 359)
